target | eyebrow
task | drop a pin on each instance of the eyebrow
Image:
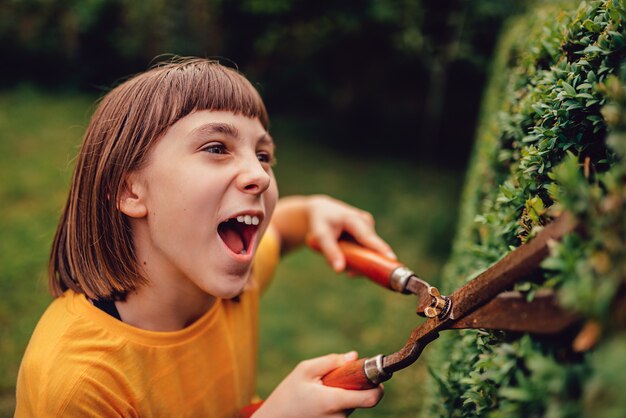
(267, 139)
(216, 128)
(225, 129)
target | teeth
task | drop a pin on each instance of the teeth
(248, 220)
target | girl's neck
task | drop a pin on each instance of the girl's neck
(153, 309)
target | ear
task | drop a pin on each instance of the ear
(131, 200)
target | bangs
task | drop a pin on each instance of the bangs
(172, 90)
(199, 84)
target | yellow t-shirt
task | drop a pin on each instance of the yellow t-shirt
(82, 362)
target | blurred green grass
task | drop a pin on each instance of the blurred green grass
(308, 311)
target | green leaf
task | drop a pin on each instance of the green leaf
(591, 77)
(515, 394)
(592, 48)
(568, 88)
(573, 106)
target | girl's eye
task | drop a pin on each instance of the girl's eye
(215, 148)
(265, 157)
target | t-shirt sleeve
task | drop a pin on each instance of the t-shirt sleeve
(86, 397)
(267, 258)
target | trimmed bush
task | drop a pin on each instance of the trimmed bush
(552, 137)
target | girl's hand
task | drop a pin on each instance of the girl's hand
(303, 395)
(329, 218)
(325, 219)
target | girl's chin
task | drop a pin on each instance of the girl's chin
(233, 289)
(230, 294)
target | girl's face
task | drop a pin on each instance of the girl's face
(200, 205)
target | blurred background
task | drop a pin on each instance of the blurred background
(372, 101)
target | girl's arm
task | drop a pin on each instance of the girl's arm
(302, 393)
(325, 219)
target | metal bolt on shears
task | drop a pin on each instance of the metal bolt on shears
(440, 306)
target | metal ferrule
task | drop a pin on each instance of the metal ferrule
(399, 279)
(374, 370)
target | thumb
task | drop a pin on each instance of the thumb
(319, 366)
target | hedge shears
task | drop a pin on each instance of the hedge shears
(485, 302)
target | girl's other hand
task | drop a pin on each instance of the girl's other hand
(329, 218)
(303, 395)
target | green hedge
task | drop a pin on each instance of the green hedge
(552, 136)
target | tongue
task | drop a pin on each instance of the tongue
(232, 238)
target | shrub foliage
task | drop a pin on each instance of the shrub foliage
(552, 137)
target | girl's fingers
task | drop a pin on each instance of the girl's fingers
(329, 218)
(329, 247)
(320, 366)
(361, 398)
(333, 254)
(366, 236)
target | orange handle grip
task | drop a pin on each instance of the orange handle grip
(248, 410)
(349, 376)
(364, 261)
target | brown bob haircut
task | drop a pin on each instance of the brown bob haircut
(92, 252)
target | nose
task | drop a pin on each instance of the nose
(253, 178)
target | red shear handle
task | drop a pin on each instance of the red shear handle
(247, 411)
(364, 261)
(349, 376)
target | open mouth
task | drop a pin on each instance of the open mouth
(238, 233)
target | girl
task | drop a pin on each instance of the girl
(158, 260)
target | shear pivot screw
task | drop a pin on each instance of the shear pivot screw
(430, 312)
(439, 305)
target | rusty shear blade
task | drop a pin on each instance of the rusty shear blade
(511, 311)
(499, 277)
